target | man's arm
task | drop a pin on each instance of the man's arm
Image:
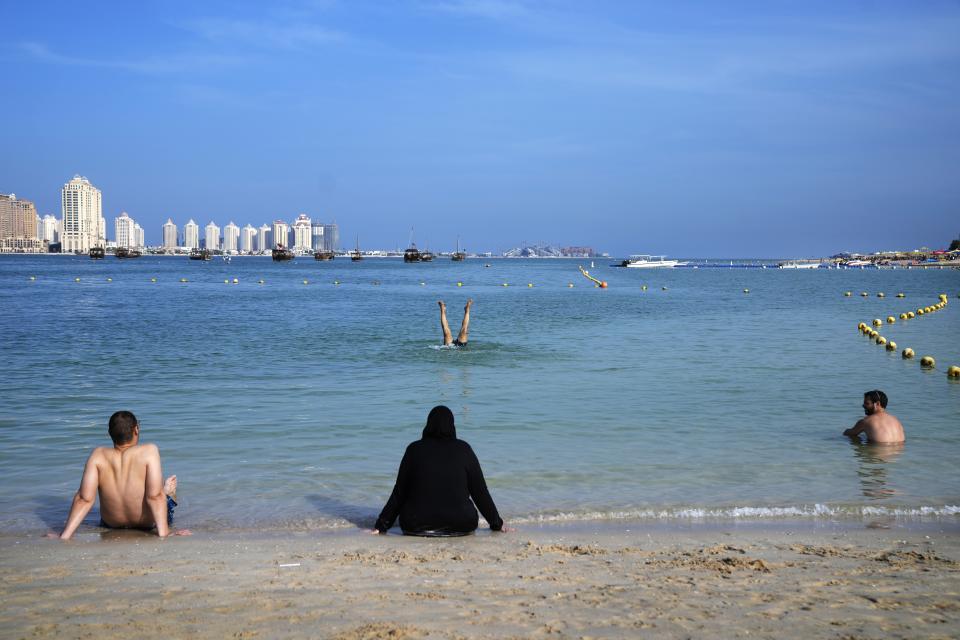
(83, 500)
(857, 429)
(156, 499)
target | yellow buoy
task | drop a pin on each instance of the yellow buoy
(306, 282)
(183, 280)
(861, 325)
(864, 294)
(663, 288)
(76, 279)
(260, 281)
(236, 281)
(873, 334)
(746, 290)
(907, 353)
(643, 288)
(459, 284)
(920, 312)
(505, 284)
(228, 282)
(423, 284)
(33, 278)
(891, 346)
(911, 314)
(928, 362)
(877, 322)
(953, 372)
(570, 284)
(109, 279)
(903, 316)
(881, 340)
(529, 284)
(153, 279)
(881, 295)
(900, 295)
(847, 294)
(891, 319)
(336, 282)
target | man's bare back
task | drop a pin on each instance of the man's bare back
(129, 481)
(879, 426)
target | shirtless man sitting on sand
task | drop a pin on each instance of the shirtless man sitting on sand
(130, 482)
(879, 426)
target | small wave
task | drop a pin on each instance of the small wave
(751, 513)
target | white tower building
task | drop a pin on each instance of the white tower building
(169, 234)
(212, 236)
(124, 231)
(247, 236)
(138, 236)
(231, 237)
(191, 235)
(83, 223)
(264, 240)
(301, 233)
(280, 232)
(51, 229)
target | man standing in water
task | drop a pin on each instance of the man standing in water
(879, 426)
(130, 482)
(462, 336)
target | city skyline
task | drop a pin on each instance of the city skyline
(689, 129)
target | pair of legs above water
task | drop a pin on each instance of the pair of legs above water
(464, 327)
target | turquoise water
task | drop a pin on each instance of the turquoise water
(289, 405)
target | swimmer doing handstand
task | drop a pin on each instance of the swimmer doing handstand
(462, 336)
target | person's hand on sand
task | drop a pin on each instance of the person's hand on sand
(179, 532)
(374, 532)
(506, 529)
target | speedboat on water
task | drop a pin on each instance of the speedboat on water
(798, 265)
(645, 261)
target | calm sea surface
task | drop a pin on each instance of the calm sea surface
(286, 405)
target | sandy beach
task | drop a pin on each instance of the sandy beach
(585, 581)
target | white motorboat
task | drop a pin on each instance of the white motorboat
(644, 261)
(798, 265)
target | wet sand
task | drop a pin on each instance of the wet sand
(590, 581)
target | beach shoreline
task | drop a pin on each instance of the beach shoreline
(614, 579)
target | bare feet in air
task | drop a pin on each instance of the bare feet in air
(170, 487)
(467, 306)
(443, 307)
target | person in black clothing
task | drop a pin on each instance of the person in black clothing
(438, 477)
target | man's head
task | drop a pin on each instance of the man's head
(874, 401)
(124, 427)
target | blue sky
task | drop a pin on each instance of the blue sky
(699, 129)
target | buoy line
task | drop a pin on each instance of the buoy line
(926, 361)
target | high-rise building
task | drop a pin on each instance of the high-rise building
(247, 236)
(301, 233)
(231, 237)
(212, 236)
(138, 236)
(331, 237)
(316, 235)
(18, 226)
(83, 223)
(51, 229)
(280, 232)
(125, 231)
(169, 234)
(264, 239)
(191, 235)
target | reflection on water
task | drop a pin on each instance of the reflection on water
(873, 460)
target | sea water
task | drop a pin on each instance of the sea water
(288, 405)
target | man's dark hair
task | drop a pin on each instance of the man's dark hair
(877, 396)
(121, 427)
